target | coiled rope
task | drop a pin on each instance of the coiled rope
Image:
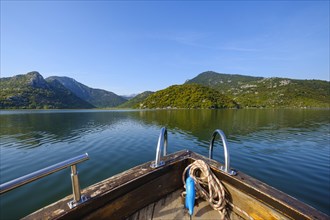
(209, 187)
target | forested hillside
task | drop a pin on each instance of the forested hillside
(207, 90)
(250, 91)
(97, 97)
(188, 96)
(32, 91)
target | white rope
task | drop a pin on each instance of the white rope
(209, 187)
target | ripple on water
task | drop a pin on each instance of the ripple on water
(282, 154)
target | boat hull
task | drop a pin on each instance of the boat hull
(126, 194)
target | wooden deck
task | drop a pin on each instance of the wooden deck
(146, 193)
(172, 207)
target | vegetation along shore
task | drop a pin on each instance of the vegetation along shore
(207, 90)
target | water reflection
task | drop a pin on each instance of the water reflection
(288, 149)
(33, 130)
(201, 123)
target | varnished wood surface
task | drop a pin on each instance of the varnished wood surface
(128, 202)
(103, 193)
(172, 207)
(277, 202)
(141, 187)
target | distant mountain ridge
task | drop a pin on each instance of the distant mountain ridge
(259, 92)
(128, 97)
(97, 97)
(136, 101)
(223, 80)
(33, 91)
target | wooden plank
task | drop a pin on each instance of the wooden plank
(204, 211)
(264, 193)
(144, 214)
(147, 212)
(135, 216)
(172, 207)
(120, 196)
(127, 201)
(254, 208)
(102, 192)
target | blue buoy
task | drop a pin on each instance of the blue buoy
(190, 196)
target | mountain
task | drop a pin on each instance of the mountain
(207, 90)
(250, 91)
(188, 96)
(97, 97)
(135, 102)
(128, 97)
(222, 82)
(33, 91)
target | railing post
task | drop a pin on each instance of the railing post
(75, 183)
(225, 149)
(77, 197)
(72, 162)
(162, 144)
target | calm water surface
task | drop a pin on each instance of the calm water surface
(287, 149)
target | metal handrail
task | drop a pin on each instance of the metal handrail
(162, 143)
(225, 149)
(72, 162)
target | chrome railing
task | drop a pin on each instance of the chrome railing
(162, 144)
(72, 162)
(225, 149)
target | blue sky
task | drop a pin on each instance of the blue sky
(130, 47)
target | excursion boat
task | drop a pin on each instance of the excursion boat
(162, 189)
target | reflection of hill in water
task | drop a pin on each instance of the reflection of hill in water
(33, 128)
(51, 126)
(201, 123)
(286, 148)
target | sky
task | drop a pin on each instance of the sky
(128, 47)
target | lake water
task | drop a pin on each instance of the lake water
(287, 149)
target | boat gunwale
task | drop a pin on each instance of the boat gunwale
(272, 197)
(275, 198)
(59, 209)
